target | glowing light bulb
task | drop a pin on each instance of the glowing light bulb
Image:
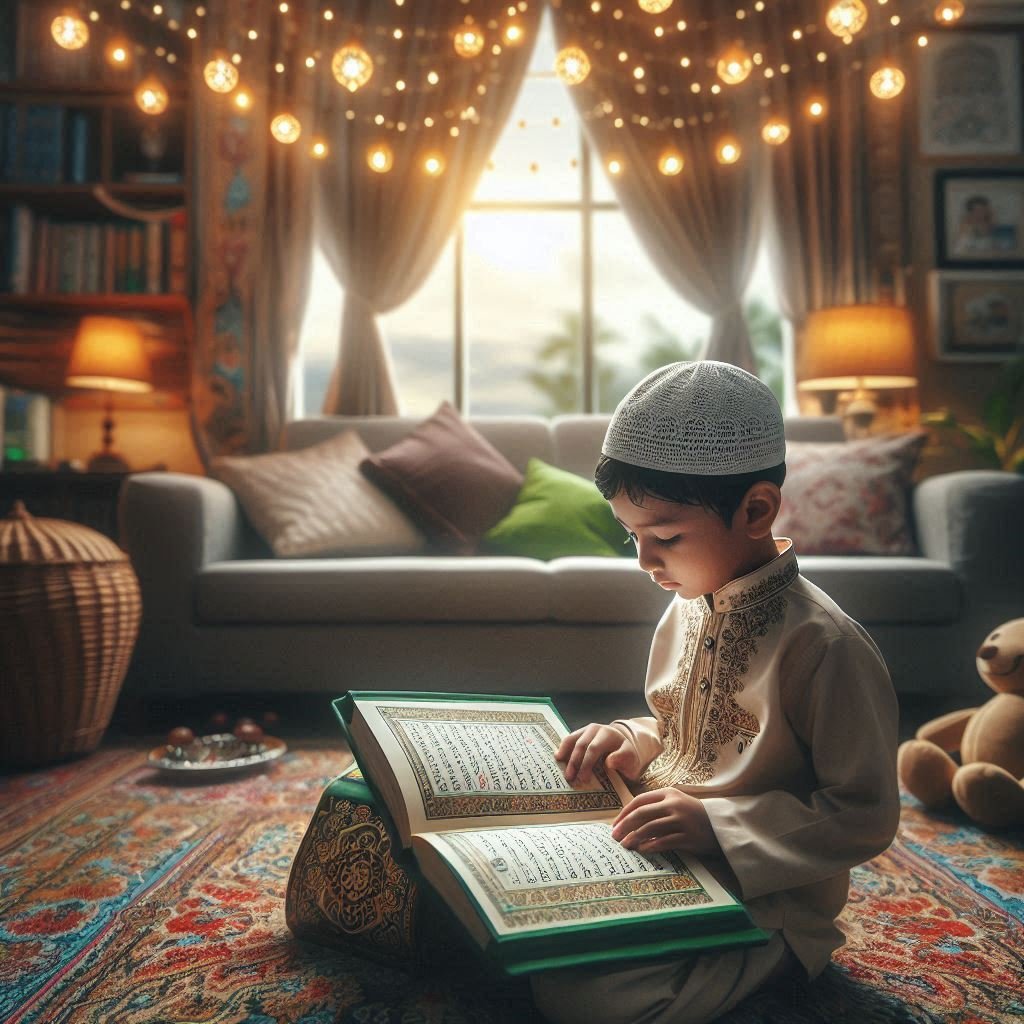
(846, 17)
(220, 74)
(513, 34)
(729, 151)
(572, 65)
(887, 82)
(654, 6)
(69, 31)
(352, 66)
(775, 131)
(433, 164)
(816, 108)
(614, 166)
(243, 99)
(671, 162)
(469, 41)
(380, 158)
(118, 52)
(949, 11)
(151, 96)
(286, 128)
(734, 66)
(319, 149)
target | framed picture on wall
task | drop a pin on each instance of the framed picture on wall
(976, 316)
(969, 96)
(979, 218)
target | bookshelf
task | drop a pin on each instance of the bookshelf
(94, 210)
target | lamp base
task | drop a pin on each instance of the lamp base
(108, 462)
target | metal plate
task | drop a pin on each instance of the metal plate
(217, 754)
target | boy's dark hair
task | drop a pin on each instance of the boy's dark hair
(719, 494)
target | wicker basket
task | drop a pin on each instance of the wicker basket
(69, 615)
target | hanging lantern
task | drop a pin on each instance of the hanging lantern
(949, 11)
(887, 82)
(816, 108)
(433, 164)
(654, 6)
(572, 65)
(69, 30)
(286, 128)
(151, 96)
(319, 149)
(118, 52)
(728, 150)
(846, 17)
(735, 65)
(614, 166)
(352, 66)
(775, 131)
(380, 158)
(671, 162)
(220, 74)
(469, 41)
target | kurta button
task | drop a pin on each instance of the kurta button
(704, 684)
(709, 642)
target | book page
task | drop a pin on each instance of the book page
(457, 762)
(539, 876)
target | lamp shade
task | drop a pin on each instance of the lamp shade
(109, 354)
(848, 347)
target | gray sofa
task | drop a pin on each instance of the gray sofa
(220, 616)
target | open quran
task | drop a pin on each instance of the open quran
(524, 859)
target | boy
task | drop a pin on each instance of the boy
(771, 748)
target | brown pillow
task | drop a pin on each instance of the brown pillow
(453, 483)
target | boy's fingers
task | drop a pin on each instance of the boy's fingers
(567, 744)
(637, 820)
(637, 801)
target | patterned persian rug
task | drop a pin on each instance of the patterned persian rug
(127, 898)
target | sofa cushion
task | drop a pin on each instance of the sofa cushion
(557, 513)
(879, 589)
(409, 589)
(316, 502)
(850, 499)
(588, 589)
(452, 481)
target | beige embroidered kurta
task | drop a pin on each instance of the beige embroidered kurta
(776, 709)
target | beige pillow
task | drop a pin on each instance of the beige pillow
(315, 501)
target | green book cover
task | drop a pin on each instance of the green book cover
(523, 858)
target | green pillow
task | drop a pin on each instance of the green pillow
(557, 513)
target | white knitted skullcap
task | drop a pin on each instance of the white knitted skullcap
(707, 418)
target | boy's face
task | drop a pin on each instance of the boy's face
(687, 549)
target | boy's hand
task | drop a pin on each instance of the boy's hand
(665, 819)
(586, 747)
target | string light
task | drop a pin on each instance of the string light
(69, 31)
(220, 74)
(846, 17)
(775, 131)
(433, 164)
(243, 99)
(380, 158)
(151, 96)
(949, 11)
(513, 34)
(286, 128)
(352, 66)
(572, 65)
(469, 42)
(816, 108)
(922, 41)
(734, 65)
(614, 166)
(671, 162)
(654, 6)
(728, 150)
(319, 149)
(887, 82)
(118, 52)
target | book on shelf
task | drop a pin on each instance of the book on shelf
(525, 860)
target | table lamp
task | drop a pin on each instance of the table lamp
(860, 350)
(109, 355)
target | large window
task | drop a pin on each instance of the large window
(556, 290)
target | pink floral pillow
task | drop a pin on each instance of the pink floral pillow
(850, 499)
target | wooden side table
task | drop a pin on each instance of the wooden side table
(86, 498)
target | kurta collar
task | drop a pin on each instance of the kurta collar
(759, 585)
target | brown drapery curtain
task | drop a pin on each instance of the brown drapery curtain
(701, 227)
(252, 229)
(382, 233)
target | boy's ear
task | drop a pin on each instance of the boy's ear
(759, 509)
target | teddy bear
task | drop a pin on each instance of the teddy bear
(988, 784)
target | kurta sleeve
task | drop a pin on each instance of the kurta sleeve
(842, 707)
